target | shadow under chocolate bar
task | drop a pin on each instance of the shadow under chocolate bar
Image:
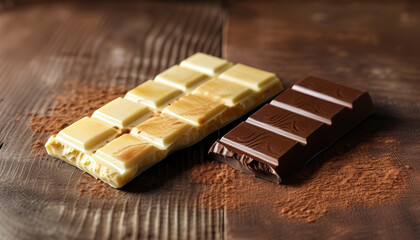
(299, 123)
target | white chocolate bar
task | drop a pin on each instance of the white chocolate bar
(179, 108)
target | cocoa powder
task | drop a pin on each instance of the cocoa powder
(347, 178)
(225, 185)
(87, 185)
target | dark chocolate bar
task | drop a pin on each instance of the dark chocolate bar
(285, 134)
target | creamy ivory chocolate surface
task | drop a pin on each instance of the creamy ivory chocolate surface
(295, 126)
(181, 106)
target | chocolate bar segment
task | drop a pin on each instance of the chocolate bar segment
(328, 91)
(285, 123)
(295, 126)
(307, 106)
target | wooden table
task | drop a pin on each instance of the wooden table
(370, 45)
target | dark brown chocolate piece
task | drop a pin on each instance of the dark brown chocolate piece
(285, 134)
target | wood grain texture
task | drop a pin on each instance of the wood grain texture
(123, 44)
(367, 45)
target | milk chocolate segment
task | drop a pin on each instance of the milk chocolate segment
(263, 145)
(298, 124)
(259, 152)
(308, 106)
(328, 91)
(285, 123)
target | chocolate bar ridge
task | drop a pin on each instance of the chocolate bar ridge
(293, 128)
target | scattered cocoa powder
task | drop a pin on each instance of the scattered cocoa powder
(87, 185)
(38, 144)
(349, 176)
(223, 185)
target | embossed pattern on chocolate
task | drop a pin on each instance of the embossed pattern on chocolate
(299, 123)
(328, 91)
(257, 142)
(284, 122)
(308, 106)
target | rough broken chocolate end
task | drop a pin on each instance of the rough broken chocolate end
(243, 162)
